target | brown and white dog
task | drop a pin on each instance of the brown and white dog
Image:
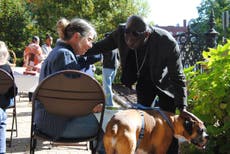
(123, 130)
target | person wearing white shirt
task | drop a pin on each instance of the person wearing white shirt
(46, 48)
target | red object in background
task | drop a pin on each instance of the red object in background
(29, 72)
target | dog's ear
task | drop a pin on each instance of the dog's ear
(186, 115)
(188, 125)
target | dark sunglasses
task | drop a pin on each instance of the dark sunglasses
(134, 33)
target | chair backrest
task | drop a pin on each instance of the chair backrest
(69, 93)
(6, 81)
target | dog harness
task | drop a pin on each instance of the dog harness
(142, 131)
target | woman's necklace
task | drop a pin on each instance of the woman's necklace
(142, 63)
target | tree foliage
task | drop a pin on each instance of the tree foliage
(201, 24)
(15, 24)
(104, 14)
(47, 12)
(20, 19)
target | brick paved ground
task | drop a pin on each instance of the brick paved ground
(20, 144)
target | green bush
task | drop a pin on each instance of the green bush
(209, 97)
(98, 72)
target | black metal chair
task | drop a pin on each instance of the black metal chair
(7, 82)
(68, 93)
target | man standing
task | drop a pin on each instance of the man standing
(150, 57)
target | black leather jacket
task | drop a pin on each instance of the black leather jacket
(166, 70)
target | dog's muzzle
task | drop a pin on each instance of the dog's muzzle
(201, 139)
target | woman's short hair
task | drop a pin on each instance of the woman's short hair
(4, 54)
(78, 25)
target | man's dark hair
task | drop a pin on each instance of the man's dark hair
(137, 22)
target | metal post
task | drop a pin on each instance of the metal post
(225, 23)
(211, 34)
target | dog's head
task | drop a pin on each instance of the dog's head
(194, 130)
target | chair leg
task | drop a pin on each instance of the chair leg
(14, 122)
(11, 132)
(92, 147)
(33, 144)
(93, 151)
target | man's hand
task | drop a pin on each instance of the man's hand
(182, 108)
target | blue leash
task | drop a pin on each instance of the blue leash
(141, 135)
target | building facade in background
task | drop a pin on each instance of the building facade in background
(175, 30)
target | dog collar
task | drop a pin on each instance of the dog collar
(142, 131)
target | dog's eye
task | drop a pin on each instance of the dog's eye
(188, 126)
(200, 131)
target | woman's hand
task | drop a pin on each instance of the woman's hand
(98, 108)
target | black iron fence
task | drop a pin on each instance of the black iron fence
(192, 44)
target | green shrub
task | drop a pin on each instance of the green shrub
(209, 97)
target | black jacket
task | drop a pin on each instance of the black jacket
(110, 59)
(166, 70)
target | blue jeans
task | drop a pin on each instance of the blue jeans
(108, 77)
(11, 102)
(3, 118)
(81, 127)
(84, 127)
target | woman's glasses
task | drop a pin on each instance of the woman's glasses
(134, 33)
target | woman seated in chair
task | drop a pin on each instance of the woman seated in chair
(6, 100)
(78, 38)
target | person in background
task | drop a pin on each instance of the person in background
(33, 58)
(6, 100)
(77, 38)
(109, 70)
(150, 57)
(33, 55)
(46, 48)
